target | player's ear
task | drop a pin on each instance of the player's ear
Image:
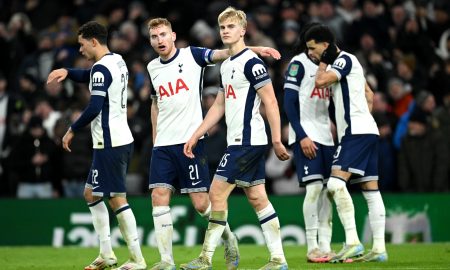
(243, 31)
(94, 42)
(174, 36)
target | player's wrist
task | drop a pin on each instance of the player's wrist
(276, 142)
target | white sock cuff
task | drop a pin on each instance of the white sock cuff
(266, 214)
(97, 202)
(207, 212)
(314, 187)
(122, 209)
(160, 210)
(371, 194)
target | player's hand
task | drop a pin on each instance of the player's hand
(270, 52)
(330, 54)
(67, 140)
(308, 147)
(58, 75)
(189, 146)
(280, 151)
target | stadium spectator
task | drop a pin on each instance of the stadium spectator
(11, 126)
(22, 23)
(423, 157)
(37, 175)
(76, 164)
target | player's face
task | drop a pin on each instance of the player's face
(231, 31)
(315, 50)
(86, 47)
(162, 40)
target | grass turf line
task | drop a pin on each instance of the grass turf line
(405, 257)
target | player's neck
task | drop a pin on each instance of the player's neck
(102, 51)
(170, 55)
(237, 47)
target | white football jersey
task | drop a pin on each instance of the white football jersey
(241, 77)
(352, 112)
(177, 85)
(313, 102)
(109, 78)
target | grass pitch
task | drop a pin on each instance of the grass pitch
(407, 257)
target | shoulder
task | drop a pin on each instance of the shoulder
(344, 60)
(153, 63)
(250, 55)
(300, 58)
(100, 72)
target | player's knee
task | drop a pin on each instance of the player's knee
(257, 202)
(370, 185)
(201, 204)
(160, 197)
(88, 195)
(216, 194)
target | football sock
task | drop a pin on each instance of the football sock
(271, 229)
(216, 226)
(345, 209)
(100, 220)
(226, 232)
(310, 213)
(325, 221)
(162, 221)
(127, 225)
(377, 219)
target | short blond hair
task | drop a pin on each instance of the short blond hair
(233, 14)
(153, 23)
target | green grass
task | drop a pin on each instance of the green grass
(408, 257)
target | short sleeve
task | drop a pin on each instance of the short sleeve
(256, 73)
(294, 76)
(342, 66)
(101, 80)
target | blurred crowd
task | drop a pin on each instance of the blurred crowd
(404, 47)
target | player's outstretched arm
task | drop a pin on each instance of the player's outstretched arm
(213, 116)
(273, 116)
(221, 55)
(58, 74)
(266, 52)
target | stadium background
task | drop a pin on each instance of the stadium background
(403, 45)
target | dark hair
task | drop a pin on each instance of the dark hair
(95, 30)
(320, 33)
(300, 45)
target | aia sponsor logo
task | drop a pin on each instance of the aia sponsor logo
(229, 91)
(172, 89)
(321, 93)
